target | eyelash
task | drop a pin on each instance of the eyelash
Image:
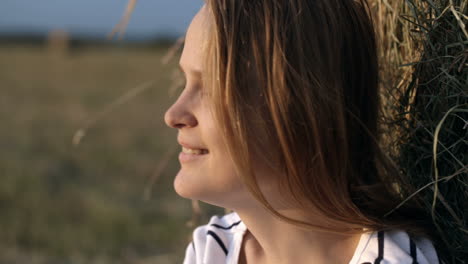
(198, 85)
(204, 92)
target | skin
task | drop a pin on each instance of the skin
(211, 177)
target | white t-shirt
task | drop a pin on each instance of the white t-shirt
(219, 242)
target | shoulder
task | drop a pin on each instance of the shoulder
(213, 241)
(392, 247)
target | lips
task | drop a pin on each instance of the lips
(191, 152)
(191, 146)
(194, 151)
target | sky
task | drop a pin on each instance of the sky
(150, 19)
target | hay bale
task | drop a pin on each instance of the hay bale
(424, 56)
(58, 42)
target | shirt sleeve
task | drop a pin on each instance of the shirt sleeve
(190, 257)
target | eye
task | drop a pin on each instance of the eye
(204, 89)
(196, 83)
(191, 79)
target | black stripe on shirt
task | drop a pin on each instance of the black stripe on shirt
(226, 228)
(380, 237)
(413, 251)
(220, 243)
(193, 246)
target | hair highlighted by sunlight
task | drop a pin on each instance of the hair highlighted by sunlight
(300, 78)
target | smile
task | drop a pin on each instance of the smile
(194, 151)
(191, 155)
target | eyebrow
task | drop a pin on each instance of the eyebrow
(196, 73)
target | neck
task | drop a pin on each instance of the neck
(270, 240)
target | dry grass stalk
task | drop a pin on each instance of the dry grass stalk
(122, 25)
(160, 167)
(129, 95)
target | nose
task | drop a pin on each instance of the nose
(180, 114)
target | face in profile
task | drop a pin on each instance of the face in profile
(206, 172)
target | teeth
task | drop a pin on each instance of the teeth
(194, 151)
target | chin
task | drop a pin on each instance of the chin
(188, 187)
(199, 186)
(183, 188)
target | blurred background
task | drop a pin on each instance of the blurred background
(86, 161)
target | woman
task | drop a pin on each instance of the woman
(278, 122)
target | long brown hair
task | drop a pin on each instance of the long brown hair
(300, 79)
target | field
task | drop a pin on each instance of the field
(108, 199)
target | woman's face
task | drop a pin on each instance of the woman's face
(207, 172)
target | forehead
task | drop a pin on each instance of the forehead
(196, 41)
